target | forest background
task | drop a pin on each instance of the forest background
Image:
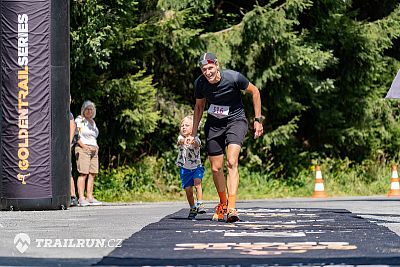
(323, 68)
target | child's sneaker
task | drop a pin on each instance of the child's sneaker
(192, 213)
(232, 216)
(220, 211)
(200, 208)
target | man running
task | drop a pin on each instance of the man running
(225, 128)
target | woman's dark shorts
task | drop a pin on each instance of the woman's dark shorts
(220, 135)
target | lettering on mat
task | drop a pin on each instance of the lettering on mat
(265, 248)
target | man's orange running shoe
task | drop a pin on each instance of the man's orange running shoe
(232, 216)
(220, 211)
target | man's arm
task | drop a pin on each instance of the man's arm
(253, 90)
(196, 142)
(198, 112)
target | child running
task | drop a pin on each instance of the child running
(190, 168)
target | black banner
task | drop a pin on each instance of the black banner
(25, 99)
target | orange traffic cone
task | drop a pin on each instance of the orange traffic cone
(319, 189)
(394, 186)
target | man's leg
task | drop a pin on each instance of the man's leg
(217, 168)
(232, 156)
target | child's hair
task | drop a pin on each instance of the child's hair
(190, 117)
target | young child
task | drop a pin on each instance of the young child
(190, 168)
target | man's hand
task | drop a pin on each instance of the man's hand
(258, 129)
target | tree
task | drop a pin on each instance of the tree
(105, 70)
(322, 68)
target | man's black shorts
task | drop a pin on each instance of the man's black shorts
(220, 135)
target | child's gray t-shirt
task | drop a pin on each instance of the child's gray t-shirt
(188, 155)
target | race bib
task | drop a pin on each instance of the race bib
(218, 111)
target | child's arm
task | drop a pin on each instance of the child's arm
(181, 140)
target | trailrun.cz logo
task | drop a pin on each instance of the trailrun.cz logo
(22, 242)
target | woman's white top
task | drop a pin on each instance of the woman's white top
(87, 131)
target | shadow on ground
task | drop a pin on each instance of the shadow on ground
(24, 261)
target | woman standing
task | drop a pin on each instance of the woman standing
(86, 152)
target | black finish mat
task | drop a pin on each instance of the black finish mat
(263, 237)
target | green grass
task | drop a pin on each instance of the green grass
(341, 178)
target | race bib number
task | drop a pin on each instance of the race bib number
(218, 111)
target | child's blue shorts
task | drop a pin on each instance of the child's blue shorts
(187, 176)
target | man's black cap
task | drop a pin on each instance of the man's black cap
(208, 58)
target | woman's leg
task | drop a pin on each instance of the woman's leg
(81, 185)
(89, 186)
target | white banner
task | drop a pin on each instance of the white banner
(394, 91)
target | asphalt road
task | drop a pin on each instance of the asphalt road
(99, 235)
